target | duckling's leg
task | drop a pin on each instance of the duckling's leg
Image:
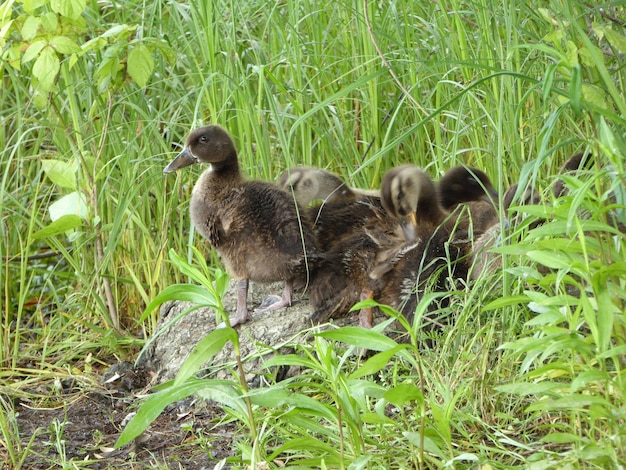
(366, 316)
(274, 302)
(242, 315)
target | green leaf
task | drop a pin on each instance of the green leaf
(204, 351)
(31, 5)
(61, 173)
(529, 388)
(154, 405)
(360, 337)
(505, 302)
(69, 8)
(29, 28)
(33, 51)
(617, 41)
(184, 292)
(140, 64)
(59, 226)
(46, 69)
(64, 45)
(73, 203)
(377, 362)
(572, 402)
(50, 22)
(402, 393)
(429, 445)
(576, 89)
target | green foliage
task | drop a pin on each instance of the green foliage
(93, 238)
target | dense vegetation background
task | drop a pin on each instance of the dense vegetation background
(96, 97)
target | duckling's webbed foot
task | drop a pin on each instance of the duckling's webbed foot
(274, 302)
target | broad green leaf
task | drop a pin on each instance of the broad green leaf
(61, 173)
(377, 362)
(204, 351)
(50, 22)
(31, 5)
(33, 51)
(360, 337)
(64, 45)
(277, 397)
(140, 64)
(617, 40)
(402, 393)
(429, 445)
(46, 69)
(73, 203)
(69, 8)
(62, 225)
(29, 28)
(587, 377)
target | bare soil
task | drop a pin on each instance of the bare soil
(82, 427)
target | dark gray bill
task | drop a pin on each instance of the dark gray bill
(183, 159)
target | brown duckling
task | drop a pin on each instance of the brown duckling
(255, 226)
(336, 210)
(343, 277)
(431, 252)
(469, 189)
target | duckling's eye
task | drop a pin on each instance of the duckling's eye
(203, 139)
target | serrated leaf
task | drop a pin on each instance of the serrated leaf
(46, 69)
(58, 227)
(29, 28)
(61, 173)
(69, 8)
(140, 64)
(71, 204)
(64, 45)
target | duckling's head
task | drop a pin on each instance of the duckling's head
(402, 190)
(464, 184)
(208, 144)
(310, 184)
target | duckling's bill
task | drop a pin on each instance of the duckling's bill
(183, 159)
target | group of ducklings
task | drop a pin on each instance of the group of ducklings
(343, 244)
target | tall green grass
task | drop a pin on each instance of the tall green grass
(355, 87)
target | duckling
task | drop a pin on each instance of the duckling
(255, 226)
(343, 277)
(470, 189)
(431, 245)
(341, 211)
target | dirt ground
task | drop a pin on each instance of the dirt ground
(82, 426)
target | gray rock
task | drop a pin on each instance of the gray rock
(267, 334)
